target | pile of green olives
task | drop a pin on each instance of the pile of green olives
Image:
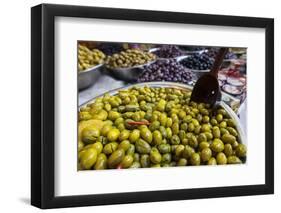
(143, 127)
(89, 58)
(129, 58)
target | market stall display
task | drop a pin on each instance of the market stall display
(156, 126)
(168, 51)
(198, 61)
(88, 58)
(129, 58)
(165, 70)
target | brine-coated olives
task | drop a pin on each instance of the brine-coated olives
(155, 127)
(89, 58)
(129, 58)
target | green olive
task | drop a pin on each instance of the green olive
(163, 119)
(125, 145)
(110, 148)
(115, 158)
(175, 140)
(163, 131)
(155, 157)
(90, 134)
(195, 159)
(154, 125)
(164, 148)
(101, 162)
(212, 161)
(112, 115)
(146, 135)
(134, 136)
(105, 129)
(216, 132)
(169, 122)
(80, 145)
(88, 158)
(227, 138)
(192, 141)
(202, 137)
(98, 146)
(187, 152)
(142, 146)
(206, 154)
(127, 161)
(169, 132)
(175, 128)
(179, 150)
(232, 131)
(145, 161)
(203, 145)
(135, 165)
(233, 160)
(124, 135)
(217, 145)
(166, 158)
(131, 150)
(113, 134)
(157, 137)
(221, 158)
(228, 150)
(102, 115)
(241, 150)
(182, 162)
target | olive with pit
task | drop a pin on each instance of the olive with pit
(146, 135)
(127, 161)
(134, 135)
(101, 162)
(115, 158)
(142, 146)
(90, 134)
(88, 158)
(113, 134)
(217, 145)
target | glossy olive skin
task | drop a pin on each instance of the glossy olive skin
(101, 162)
(115, 158)
(90, 135)
(145, 127)
(88, 158)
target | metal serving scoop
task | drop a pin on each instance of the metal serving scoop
(207, 89)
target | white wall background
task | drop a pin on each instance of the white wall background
(15, 106)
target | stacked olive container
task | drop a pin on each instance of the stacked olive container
(156, 125)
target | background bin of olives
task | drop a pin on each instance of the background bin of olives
(156, 126)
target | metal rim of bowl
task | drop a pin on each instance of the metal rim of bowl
(90, 69)
(129, 68)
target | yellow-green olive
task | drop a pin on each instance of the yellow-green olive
(113, 134)
(101, 162)
(221, 158)
(217, 145)
(241, 150)
(115, 158)
(88, 158)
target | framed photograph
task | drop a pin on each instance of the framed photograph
(139, 106)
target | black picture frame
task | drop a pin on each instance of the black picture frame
(43, 102)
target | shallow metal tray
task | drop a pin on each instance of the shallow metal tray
(128, 74)
(88, 77)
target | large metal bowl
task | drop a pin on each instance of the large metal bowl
(231, 113)
(88, 77)
(129, 74)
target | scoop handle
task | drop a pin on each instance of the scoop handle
(218, 61)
